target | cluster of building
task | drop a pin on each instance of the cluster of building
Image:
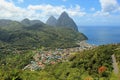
(43, 58)
(51, 57)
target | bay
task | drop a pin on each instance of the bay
(98, 35)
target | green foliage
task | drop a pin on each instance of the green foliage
(80, 66)
(83, 64)
(38, 35)
(17, 61)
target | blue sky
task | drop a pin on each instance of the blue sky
(84, 12)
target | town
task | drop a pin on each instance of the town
(51, 57)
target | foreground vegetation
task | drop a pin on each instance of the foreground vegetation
(94, 64)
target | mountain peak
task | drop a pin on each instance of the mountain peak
(25, 21)
(51, 21)
(65, 21)
(28, 22)
(64, 13)
(52, 17)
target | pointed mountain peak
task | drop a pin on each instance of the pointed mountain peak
(51, 21)
(64, 14)
(52, 17)
(65, 21)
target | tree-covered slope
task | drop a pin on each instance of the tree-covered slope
(28, 22)
(10, 25)
(38, 35)
(94, 64)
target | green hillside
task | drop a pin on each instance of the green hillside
(83, 65)
(15, 35)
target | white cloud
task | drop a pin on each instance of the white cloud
(92, 9)
(57, 10)
(107, 8)
(76, 11)
(20, 1)
(109, 5)
(99, 13)
(8, 10)
(47, 10)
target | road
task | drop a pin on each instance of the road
(115, 66)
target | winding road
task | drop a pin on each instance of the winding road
(115, 66)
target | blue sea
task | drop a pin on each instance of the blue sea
(101, 35)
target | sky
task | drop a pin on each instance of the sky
(83, 12)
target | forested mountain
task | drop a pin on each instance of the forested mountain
(29, 34)
(28, 22)
(39, 35)
(10, 25)
(64, 20)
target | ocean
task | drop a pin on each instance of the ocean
(101, 35)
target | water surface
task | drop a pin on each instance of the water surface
(101, 35)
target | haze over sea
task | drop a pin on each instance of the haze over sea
(101, 35)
